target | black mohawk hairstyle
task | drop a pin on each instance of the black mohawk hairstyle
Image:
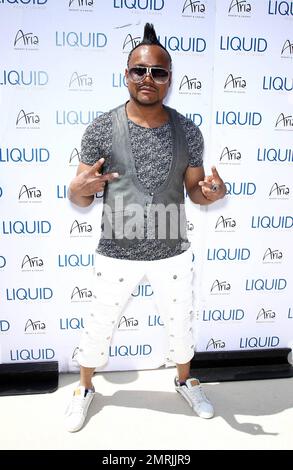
(149, 35)
(149, 39)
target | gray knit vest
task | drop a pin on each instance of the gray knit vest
(130, 211)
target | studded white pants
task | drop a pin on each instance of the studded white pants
(115, 280)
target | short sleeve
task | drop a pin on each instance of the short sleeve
(194, 140)
(89, 152)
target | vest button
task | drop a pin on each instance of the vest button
(151, 194)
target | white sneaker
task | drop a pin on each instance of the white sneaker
(77, 409)
(195, 397)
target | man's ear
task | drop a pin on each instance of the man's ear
(126, 75)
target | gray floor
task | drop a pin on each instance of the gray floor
(141, 410)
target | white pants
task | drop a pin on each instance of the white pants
(115, 280)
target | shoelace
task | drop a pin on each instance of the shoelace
(76, 404)
(198, 393)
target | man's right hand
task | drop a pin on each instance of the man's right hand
(89, 181)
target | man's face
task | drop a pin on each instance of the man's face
(147, 91)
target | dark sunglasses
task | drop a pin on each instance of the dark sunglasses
(138, 74)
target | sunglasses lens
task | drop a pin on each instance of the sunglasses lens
(160, 75)
(137, 73)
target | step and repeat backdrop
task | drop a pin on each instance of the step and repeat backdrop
(62, 64)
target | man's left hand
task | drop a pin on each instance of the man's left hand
(213, 187)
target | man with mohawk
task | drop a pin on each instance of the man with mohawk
(142, 154)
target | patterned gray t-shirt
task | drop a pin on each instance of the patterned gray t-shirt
(152, 151)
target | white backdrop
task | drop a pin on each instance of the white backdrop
(61, 64)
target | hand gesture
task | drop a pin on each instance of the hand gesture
(92, 181)
(213, 187)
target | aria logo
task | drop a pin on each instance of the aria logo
(33, 263)
(239, 8)
(279, 191)
(25, 41)
(130, 42)
(215, 344)
(190, 86)
(74, 158)
(225, 224)
(234, 84)
(193, 9)
(284, 123)
(129, 323)
(80, 82)
(36, 327)
(220, 287)
(287, 50)
(267, 316)
(29, 120)
(31, 194)
(80, 5)
(81, 295)
(80, 229)
(272, 256)
(231, 157)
